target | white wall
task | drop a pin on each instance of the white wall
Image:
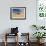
(24, 25)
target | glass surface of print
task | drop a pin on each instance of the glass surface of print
(18, 13)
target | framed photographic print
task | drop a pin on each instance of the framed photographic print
(17, 13)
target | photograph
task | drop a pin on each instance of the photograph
(23, 23)
(17, 13)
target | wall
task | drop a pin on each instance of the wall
(24, 25)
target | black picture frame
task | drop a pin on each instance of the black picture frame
(18, 13)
